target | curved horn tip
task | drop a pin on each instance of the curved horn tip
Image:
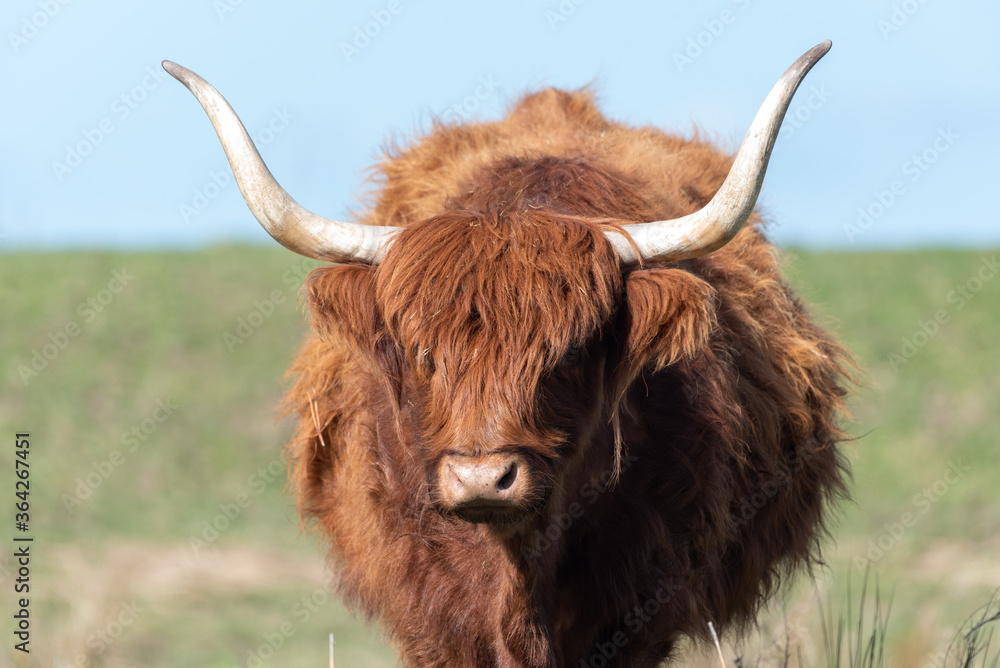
(715, 224)
(172, 68)
(818, 51)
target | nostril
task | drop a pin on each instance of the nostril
(482, 481)
(508, 478)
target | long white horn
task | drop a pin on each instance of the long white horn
(713, 226)
(291, 225)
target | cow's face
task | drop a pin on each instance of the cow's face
(498, 319)
(504, 334)
(501, 325)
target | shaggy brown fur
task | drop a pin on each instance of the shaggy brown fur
(500, 320)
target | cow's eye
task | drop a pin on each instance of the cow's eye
(571, 355)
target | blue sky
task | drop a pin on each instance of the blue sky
(102, 149)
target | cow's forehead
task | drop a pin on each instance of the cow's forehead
(517, 279)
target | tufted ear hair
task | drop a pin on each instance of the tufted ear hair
(341, 300)
(669, 316)
(343, 306)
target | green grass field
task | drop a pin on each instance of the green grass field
(151, 409)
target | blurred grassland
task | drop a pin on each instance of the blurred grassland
(162, 338)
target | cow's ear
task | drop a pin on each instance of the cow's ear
(342, 304)
(669, 317)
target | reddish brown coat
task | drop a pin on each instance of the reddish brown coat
(501, 317)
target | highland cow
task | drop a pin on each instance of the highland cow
(559, 407)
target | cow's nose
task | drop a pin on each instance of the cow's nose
(496, 480)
